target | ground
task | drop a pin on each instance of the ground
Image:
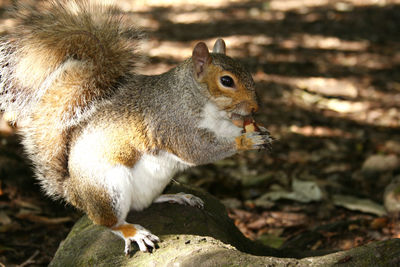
(328, 80)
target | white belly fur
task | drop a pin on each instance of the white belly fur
(145, 180)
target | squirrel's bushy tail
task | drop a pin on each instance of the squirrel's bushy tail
(61, 59)
(74, 49)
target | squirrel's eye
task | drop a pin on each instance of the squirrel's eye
(227, 81)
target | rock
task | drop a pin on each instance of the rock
(194, 237)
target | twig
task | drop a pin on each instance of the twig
(29, 260)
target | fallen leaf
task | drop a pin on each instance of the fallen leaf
(231, 203)
(381, 163)
(391, 196)
(379, 223)
(359, 204)
(258, 224)
(4, 218)
(317, 245)
(303, 191)
(28, 205)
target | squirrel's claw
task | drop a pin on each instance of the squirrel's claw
(191, 200)
(144, 238)
(134, 232)
(259, 140)
(127, 249)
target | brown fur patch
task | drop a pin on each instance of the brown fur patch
(128, 230)
(71, 91)
(94, 200)
(125, 141)
(82, 30)
(119, 149)
(35, 64)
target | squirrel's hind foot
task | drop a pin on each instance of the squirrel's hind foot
(134, 232)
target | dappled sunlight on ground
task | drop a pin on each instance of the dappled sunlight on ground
(341, 75)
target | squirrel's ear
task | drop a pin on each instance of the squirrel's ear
(219, 47)
(201, 59)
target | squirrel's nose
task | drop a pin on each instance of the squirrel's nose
(247, 107)
(255, 108)
(252, 106)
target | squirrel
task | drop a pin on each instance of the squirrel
(105, 138)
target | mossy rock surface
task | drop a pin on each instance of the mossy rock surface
(194, 237)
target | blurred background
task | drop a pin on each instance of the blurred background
(328, 80)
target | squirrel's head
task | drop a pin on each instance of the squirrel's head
(229, 84)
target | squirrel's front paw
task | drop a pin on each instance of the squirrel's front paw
(253, 140)
(134, 232)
